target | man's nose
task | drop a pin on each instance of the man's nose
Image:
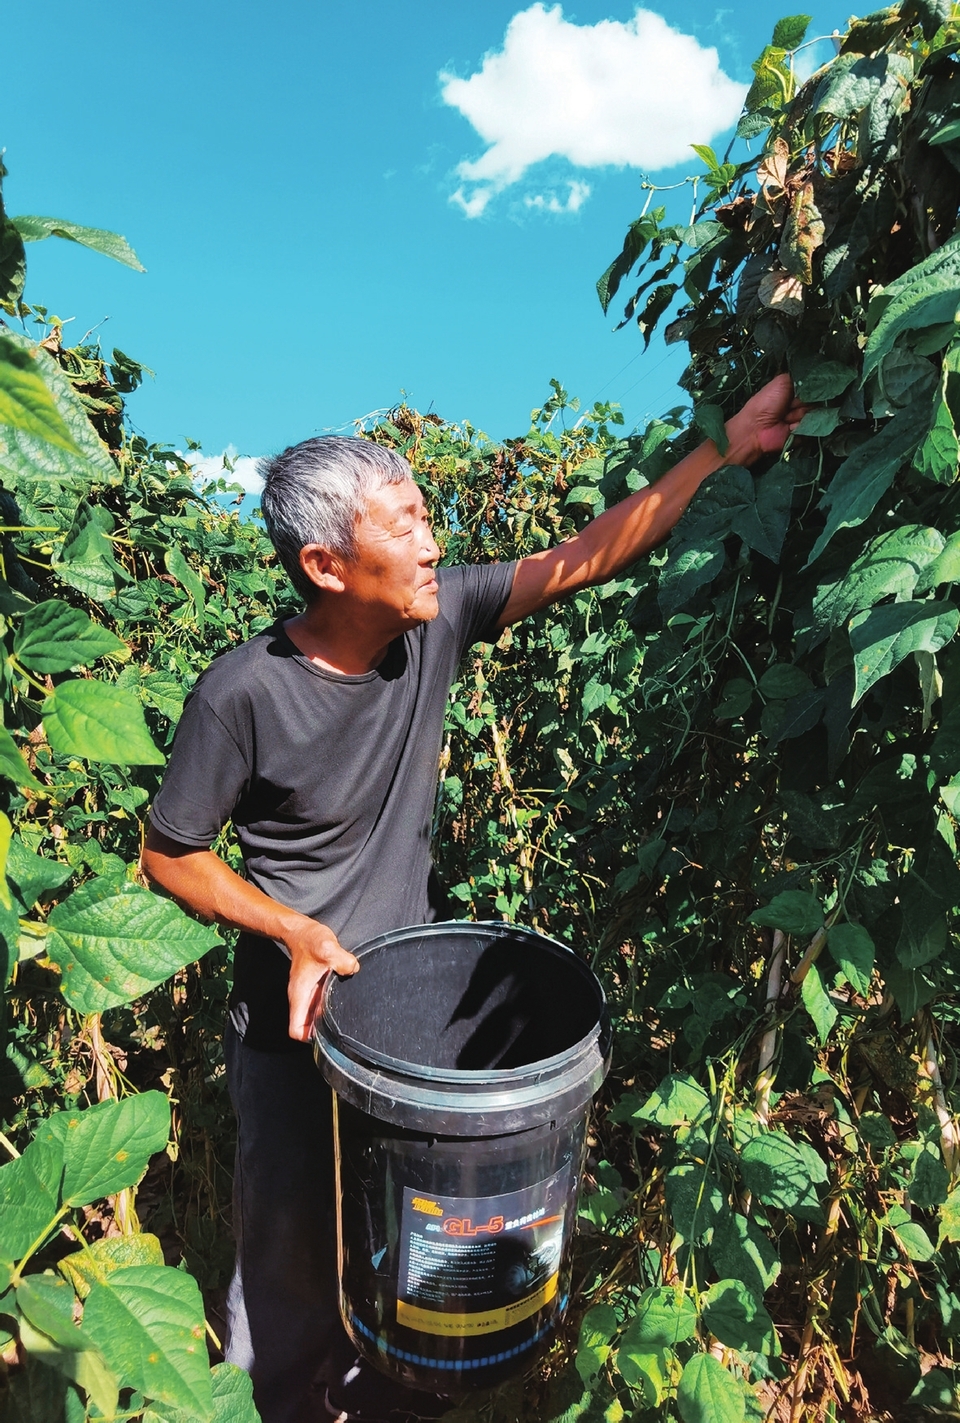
(430, 549)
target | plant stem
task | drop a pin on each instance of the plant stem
(768, 1044)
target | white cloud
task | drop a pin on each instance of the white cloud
(631, 94)
(577, 194)
(243, 471)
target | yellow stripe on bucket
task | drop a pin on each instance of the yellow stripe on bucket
(487, 1321)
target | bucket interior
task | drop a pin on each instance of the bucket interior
(468, 1001)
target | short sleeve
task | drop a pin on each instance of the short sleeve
(472, 597)
(206, 776)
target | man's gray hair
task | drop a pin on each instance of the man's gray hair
(317, 491)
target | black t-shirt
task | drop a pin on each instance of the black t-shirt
(329, 779)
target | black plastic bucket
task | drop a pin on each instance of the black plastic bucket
(463, 1059)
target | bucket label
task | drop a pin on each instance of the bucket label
(477, 1265)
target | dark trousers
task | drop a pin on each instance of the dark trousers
(283, 1324)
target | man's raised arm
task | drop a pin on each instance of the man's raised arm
(630, 529)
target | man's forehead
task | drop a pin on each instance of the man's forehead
(392, 500)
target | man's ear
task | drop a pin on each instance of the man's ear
(323, 568)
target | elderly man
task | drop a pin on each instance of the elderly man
(319, 739)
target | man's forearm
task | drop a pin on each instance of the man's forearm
(201, 881)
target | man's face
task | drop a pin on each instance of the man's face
(393, 571)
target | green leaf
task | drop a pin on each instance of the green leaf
(709, 419)
(28, 459)
(86, 559)
(740, 1250)
(849, 85)
(13, 264)
(657, 303)
(793, 911)
(789, 32)
(26, 403)
(852, 950)
(679, 1099)
(48, 1332)
(929, 1180)
(113, 941)
(707, 155)
(639, 234)
(53, 637)
(950, 1217)
(29, 1196)
(89, 718)
(35, 229)
(820, 381)
(694, 1200)
(708, 1393)
(882, 637)
(818, 1003)
(783, 680)
(911, 1237)
(648, 1372)
(737, 1317)
(32, 875)
(664, 1316)
(926, 295)
(189, 580)
(894, 563)
(97, 1262)
(868, 473)
(819, 423)
(687, 570)
(107, 1147)
(148, 1321)
(939, 455)
(781, 1172)
(597, 1329)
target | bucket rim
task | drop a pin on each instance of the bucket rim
(355, 1051)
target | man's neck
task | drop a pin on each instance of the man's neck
(337, 642)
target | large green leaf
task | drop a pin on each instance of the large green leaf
(28, 460)
(737, 1317)
(782, 1173)
(48, 1331)
(852, 950)
(849, 85)
(664, 1316)
(53, 637)
(114, 941)
(111, 244)
(86, 560)
(789, 32)
(818, 1003)
(232, 1400)
(694, 1199)
(926, 295)
(677, 1100)
(14, 767)
(188, 580)
(892, 563)
(148, 1321)
(868, 473)
(31, 875)
(708, 1393)
(106, 1148)
(882, 637)
(89, 718)
(597, 1329)
(26, 403)
(95, 1263)
(29, 1196)
(794, 911)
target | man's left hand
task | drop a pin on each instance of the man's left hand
(765, 423)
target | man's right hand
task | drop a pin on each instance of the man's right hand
(315, 951)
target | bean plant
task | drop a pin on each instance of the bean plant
(730, 778)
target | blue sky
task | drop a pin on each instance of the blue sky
(289, 177)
